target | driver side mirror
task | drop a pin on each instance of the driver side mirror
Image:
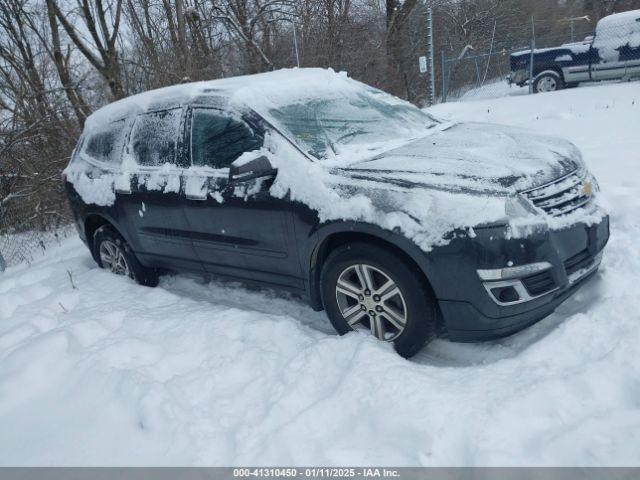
(241, 171)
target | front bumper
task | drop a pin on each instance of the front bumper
(473, 309)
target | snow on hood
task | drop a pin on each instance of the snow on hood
(427, 196)
(474, 156)
(425, 216)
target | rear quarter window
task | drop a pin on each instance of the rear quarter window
(104, 144)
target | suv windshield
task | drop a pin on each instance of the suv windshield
(365, 118)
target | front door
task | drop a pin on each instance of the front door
(151, 192)
(238, 229)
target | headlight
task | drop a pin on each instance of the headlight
(589, 183)
(595, 186)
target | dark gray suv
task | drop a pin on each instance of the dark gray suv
(390, 220)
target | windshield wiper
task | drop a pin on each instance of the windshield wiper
(324, 133)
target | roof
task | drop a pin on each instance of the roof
(619, 19)
(273, 88)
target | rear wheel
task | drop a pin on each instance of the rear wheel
(365, 287)
(549, 81)
(114, 254)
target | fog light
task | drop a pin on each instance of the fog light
(505, 294)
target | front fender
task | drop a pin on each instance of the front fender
(314, 250)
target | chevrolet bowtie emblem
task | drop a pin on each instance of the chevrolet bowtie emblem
(587, 189)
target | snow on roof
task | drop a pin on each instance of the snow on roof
(619, 19)
(280, 87)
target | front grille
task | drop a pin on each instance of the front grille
(539, 283)
(562, 196)
(578, 262)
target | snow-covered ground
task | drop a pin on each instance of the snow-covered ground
(495, 89)
(111, 373)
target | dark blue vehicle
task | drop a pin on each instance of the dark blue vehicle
(612, 54)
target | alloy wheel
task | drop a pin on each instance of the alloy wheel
(547, 84)
(369, 299)
(113, 259)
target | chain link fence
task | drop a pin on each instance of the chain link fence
(34, 214)
(26, 233)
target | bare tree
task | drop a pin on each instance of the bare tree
(62, 63)
(249, 22)
(103, 23)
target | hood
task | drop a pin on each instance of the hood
(472, 157)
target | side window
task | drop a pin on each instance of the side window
(105, 144)
(218, 139)
(154, 137)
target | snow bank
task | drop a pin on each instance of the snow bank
(494, 89)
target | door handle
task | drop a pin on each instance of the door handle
(122, 184)
(196, 188)
(191, 196)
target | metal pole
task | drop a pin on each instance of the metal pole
(573, 32)
(295, 45)
(431, 86)
(533, 47)
(477, 73)
(443, 72)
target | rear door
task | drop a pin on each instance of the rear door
(238, 229)
(151, 192)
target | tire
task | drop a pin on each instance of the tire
(109, 244)
(415, 302)
(548, 81)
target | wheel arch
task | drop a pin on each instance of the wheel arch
(334, 235)
(546, 62)
(92, 222)
(550, 69)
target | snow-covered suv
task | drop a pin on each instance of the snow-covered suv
(612, 54)
(387, 218)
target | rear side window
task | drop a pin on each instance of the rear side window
(217, 139)
(105, 144)
(154, 137)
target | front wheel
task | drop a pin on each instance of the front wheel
(549, 81)
(114, 254)
(366, 287)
